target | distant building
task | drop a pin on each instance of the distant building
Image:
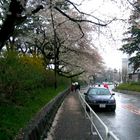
(124, 70)
(124, 63)
(134, 76)
(127, 71)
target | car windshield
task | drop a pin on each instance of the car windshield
(98, 91)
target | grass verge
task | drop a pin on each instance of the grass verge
(135, 86)
(13, 116)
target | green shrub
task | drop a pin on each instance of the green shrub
(10, 74)
(16, 75)
(133, 86)
(25, 87)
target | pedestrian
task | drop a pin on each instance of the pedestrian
(73, 87)
(105, 85)
(77, 86)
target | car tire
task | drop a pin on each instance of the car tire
(113, 109)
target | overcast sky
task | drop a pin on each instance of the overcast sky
(109, 42)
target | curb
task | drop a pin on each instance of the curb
(127, 92)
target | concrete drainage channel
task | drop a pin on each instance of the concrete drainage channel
(96, 123)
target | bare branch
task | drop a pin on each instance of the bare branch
(73, 75)
(133, 5)
(80, 20)
(83, 12)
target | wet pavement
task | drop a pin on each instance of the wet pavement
(70, 122)
(125, 121)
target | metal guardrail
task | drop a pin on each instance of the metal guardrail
(104, 134)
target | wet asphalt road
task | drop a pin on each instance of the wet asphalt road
(125, 121)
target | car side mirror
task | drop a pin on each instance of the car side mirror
(85, 93)
(113, 93)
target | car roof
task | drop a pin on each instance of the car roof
(98, 87)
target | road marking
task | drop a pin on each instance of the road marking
(131, 108)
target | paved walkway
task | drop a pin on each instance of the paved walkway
(70, 122)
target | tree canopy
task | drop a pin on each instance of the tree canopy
(53, 30)
(132, 41)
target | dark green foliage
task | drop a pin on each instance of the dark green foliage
(133, 41)
(22, 75)
(13, 117)
(9, 74)
(25, 87)
(132, 45)
(17, 76)
(135, 60)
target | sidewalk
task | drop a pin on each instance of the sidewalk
(70, 122)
